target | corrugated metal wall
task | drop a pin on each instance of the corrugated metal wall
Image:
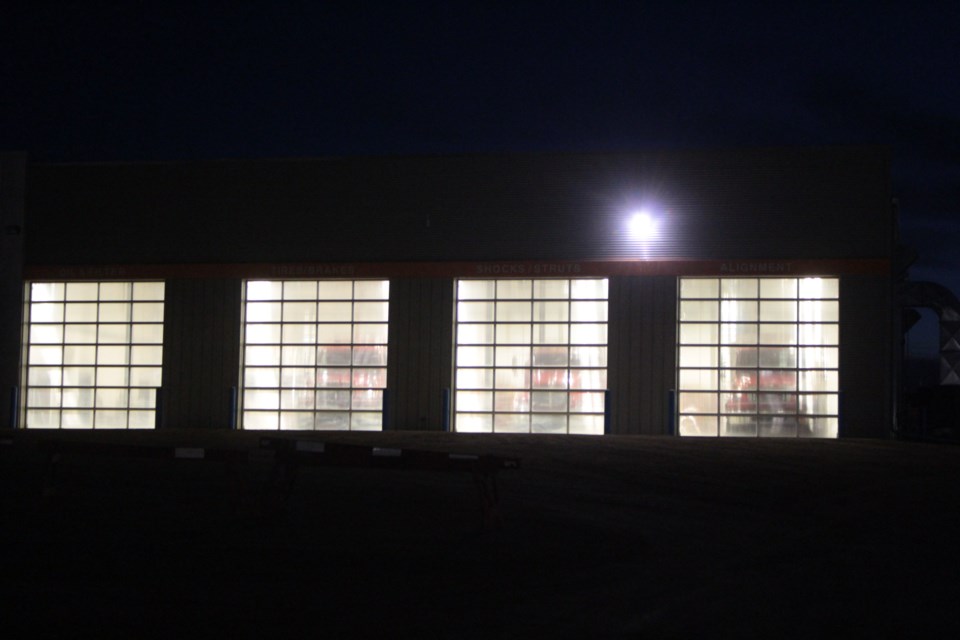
(12, 168)
(866, 357)
(201, 352)
(642, 353)
(761, 203)
(420, 362)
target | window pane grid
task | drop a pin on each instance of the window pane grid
(531, 355)
(315, 354)
(758, 357)
(94, 354)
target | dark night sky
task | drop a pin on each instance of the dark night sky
(99, 81)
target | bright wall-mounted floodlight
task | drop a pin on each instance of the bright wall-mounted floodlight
(642, 225)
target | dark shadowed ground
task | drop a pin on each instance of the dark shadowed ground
(613, 537)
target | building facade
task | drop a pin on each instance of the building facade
(725, 293)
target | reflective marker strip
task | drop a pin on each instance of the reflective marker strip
(307, 445)
(387, 453)
(188, 452)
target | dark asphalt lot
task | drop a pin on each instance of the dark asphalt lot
(612, 537)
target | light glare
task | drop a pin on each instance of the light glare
(642, 226)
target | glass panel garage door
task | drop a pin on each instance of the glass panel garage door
(94, 354)
(758, 357)
(531, 356)
(314, 354)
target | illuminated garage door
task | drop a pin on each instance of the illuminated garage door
(531, 356)
(94, 354)
(314, 354)
(758, 357)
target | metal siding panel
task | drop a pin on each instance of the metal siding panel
(396, 341)
(640, 326)
(622, 344)
(666, 338)
(421, 317)
(866, 357)
(12, 168)
(615, 371)
(191, 332)
(424, 338)
(758, 203)
(444, 359)
(429, 337)
(644, 349)
(439, 301)
(201, 351)
(204, 306)
(403, 395)
(653, 379)
(420, 364)
(224, 314)
(630, 411)
(231, 340)
(219, 407)
(664, 294)
(642, 344)
(199, 333)
(172, 348)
